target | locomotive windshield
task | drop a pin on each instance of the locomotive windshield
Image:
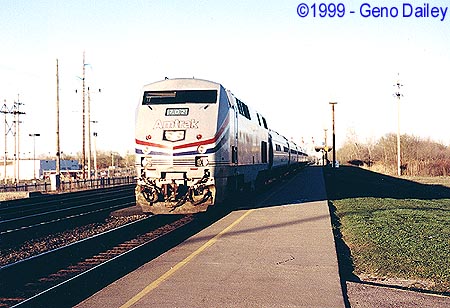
(179, 97)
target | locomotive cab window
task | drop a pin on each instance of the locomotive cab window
(180, 97)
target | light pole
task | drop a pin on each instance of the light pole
(334, 135)
(34, 153)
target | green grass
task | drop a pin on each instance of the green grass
(394, 228)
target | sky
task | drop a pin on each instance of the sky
(285, 66)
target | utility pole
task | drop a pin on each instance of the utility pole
(58, 150)
(5, 111)
(334, 135)
(86, 114)
(95, 154)
(89, 133)
(14, 128)
(83, 151)
(16, 112)
(398, 95)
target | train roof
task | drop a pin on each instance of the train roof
(182, 83)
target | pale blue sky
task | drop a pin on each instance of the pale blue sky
(285, 66)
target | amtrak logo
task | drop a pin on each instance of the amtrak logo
(176, 124)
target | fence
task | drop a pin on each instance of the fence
(66, 186)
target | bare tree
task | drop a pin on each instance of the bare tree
(419, 156)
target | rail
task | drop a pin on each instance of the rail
(64, 276)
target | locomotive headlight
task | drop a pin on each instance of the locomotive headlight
(146, 150)
(201, 149)
(201, 161)
(174, 135)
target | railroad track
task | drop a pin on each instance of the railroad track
(46, 202)
(33, 217)
(63, 277)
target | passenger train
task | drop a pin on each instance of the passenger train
(197, 144)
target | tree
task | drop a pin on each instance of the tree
(418, 156)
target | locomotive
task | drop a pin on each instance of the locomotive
(197, 144)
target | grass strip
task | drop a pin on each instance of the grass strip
(394, 228)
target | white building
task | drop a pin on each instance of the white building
(30, 169)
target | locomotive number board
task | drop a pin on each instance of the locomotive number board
(177, 111)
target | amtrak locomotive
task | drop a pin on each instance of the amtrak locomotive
(197, 144)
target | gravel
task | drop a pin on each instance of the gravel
(36, 246)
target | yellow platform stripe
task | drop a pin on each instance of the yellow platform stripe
(179, 265)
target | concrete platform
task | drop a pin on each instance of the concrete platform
(279, 253)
